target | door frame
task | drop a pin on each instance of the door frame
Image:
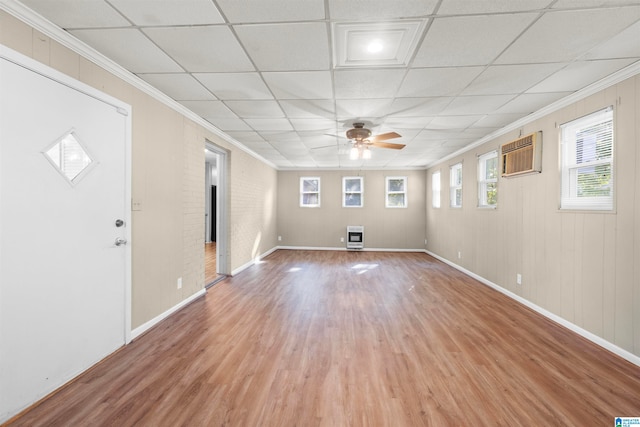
(222, 227)
(124, 109)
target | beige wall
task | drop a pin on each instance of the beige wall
(385, 228)
(581, 266)
(167, 184)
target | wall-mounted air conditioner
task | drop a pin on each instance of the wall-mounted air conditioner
(522, 156)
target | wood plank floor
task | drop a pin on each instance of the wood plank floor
(315, 338)
(210, 267)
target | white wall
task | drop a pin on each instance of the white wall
(583, 267)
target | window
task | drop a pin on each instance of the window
(396, 191)
(488, 180)
(69, 157)
(435, 189)
(310, 192)
(455, 185)
(587, 162)
(352, 192)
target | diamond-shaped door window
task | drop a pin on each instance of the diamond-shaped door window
(68, 155)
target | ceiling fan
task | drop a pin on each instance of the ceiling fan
(361, 139)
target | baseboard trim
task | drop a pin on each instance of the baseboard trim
(342, 248)
(253, 261)
(151, 323)
(625, 354)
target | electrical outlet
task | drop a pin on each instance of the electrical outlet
(459, 255)
(519, 279)
(425, 242)
(279, 238)
(342, 239)
(179, 284)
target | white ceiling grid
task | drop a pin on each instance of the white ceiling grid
(265, 71)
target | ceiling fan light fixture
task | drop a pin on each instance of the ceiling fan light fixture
(354, 153)
(366, 153)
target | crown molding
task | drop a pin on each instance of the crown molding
(617, 77)
(46, 27)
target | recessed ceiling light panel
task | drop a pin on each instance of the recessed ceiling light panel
(383, 44)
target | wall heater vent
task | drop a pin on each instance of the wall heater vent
(522, 156)
(355, 237)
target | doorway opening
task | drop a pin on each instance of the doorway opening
(215, 246)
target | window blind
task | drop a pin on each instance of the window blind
(587, 162)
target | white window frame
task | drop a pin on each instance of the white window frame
(484, 182)
(346, 193)
(603, 144)
(303, 193)
(389, 192)
(436, 189)
(455, 185)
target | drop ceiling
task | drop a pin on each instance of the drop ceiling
(287, 78)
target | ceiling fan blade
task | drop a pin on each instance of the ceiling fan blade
(391, 145)
(383, 137)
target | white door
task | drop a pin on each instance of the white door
(64, 282)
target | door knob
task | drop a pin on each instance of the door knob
(119, 223)
(120, 241)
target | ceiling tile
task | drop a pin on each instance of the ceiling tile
(371, 10)
(529, 103)
(269, 124)
(455, 122)
(169, 12)
(469, 40)
(318, 108)
(460, 7)
(407, 122)
(563, 35)
(358, 108)
(437, 81)
(510, 79)
(229, 124)
(623, 45)
(290, 148)
(315, 141)
(252, 11)
(209, 109)
(286, 135)
(580, 74)
(575, 4)
(259, 147)
(76, 14)
(300, 84)
(418, 107)
(246, 137)
(286, 47)
(313, 124)
(463, 105)
(140, 56)
(497, 120)
(256, 109)
(235, 85)
(202, 49)
(357, 84)
(181, 87)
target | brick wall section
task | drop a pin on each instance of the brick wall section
(193, 200)
(253, 189)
